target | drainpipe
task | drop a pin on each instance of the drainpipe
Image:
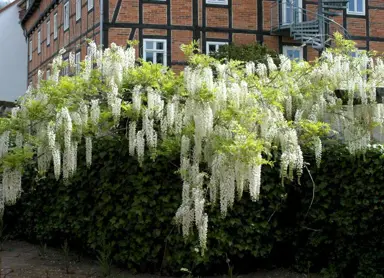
(101, 21)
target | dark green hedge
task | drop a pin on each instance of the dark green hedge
(254, 52)
(132, 208)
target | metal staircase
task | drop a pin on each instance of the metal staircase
(308, 27)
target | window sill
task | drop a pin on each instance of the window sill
(212, 5)
(156, 1)
(356, 14)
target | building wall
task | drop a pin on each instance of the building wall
(13, 55)
(181, 21)
(72, 39)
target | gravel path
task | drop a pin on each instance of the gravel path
(23, 260)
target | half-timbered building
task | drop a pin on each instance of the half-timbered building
(297, 28)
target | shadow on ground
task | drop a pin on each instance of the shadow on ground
(24, 260)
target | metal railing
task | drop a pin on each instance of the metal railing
(309, 27)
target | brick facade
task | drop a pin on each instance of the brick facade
(177, 22)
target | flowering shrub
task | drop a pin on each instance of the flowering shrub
(227, 120)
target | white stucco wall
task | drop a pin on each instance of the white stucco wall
(13, 55)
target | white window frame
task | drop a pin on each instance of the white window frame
(30, 49)
(90, 5)
(39, 42)
(356, 12)
(216, 44)
(66, 16)
(77, 61)
(28, 4)
(217, 2)
(292, 47)
(78, 10)
(48, 32)
(164, 50)
(55, 26)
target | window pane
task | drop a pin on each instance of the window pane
(148, 45)
(288, 13)
(296, 54)
(160, 45)
(160, 58)
(211, 48)
(360, 6)
(351, 5)
(149, 56)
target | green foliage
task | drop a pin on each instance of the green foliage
(343, 231)
(131, 209)
(248, 52)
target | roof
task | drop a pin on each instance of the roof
(8, 6)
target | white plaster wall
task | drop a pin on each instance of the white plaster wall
(13, 56)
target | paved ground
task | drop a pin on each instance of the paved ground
(23, 260)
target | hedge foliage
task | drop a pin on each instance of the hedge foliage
(254, 52)
(132, 208)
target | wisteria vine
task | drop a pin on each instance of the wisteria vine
(229, 120)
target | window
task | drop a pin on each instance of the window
(291, 11)
(357, 53)
(90, 5)
(356, 7)
(66, 16)
(293, 52)
(48, 32)
(77, 61)
(214, 46)
(48, 74)
(39, 42)
(55, 26)
(30, 50)
(66, 69)
(155, 51)
(78, 9)
(218, 2)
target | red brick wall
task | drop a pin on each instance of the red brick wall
(181, 12)
(216, 35)
(240, 38)
(376, 22)
(356, 26)
(272, 42)
(129, 11)
(378, 46)
(217, 17)
(179, 38)
(155, 13)
(245, 14)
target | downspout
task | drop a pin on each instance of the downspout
(101, 21)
